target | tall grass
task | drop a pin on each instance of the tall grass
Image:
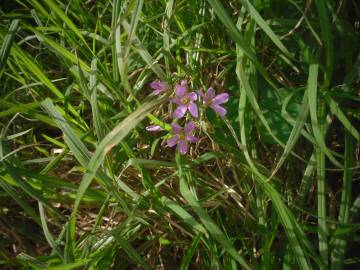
(272, 185)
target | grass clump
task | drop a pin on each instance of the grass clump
(264, 172)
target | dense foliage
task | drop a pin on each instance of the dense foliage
(265, 172)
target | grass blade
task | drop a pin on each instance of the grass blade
(23, 204)
(100, 129)
(334, 107)
(131, 252)
(8, 41)
(65, 19)
(111, 139)
(339, 246)
(294, 135)
(61, 51)
(320, 183)
(190, 253)
(47, 233)
(266, 28)
(285, 216)
(313, 98)
(327, 38)
(236, 36)
(213, 229)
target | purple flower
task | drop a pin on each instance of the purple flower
(154, 128)
(214, 102)
(158, 87)
(182, 136)
(185, 100)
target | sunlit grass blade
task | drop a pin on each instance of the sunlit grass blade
(65, 19)
(61, 51)
(29, 63)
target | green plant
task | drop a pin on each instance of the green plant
(83, 185)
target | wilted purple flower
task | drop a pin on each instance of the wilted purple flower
(182, 136)
(185, 100)
(214, 102)
(159, 87)
(154, 128)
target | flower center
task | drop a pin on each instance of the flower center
(182, 136)
(185, 100)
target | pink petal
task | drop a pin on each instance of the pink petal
(154, 85)
(177, 101)
(173, 141)
(176, 128)
(180, 91)
(156, 92)
(192, 139)
(183, 147)
(154, 128)
(218, 109)
(220, 99)
(193, 109)
(180, 111)
(201, 94)
(183, 83)
(192, 96)
(163, 86)
(210, 93)
(189, 127)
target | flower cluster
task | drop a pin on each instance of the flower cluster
(186, 101)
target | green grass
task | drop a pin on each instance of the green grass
(272, 185)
